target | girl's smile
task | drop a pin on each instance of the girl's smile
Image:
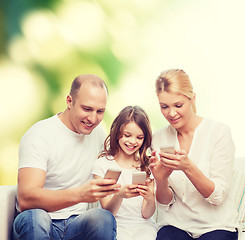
(132, 138)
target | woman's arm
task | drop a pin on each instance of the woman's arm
(164, 194)
(181, 161)
(215, 185)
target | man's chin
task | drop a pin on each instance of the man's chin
(86, 131)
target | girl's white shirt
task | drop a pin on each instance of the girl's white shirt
(129, 214)
(212, 150)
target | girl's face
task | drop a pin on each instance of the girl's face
(176, 108)
(132, 138)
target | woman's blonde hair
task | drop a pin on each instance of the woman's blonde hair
(175, 81)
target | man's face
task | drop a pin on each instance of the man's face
(87, 110)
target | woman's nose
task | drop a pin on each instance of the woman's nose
(172, 112)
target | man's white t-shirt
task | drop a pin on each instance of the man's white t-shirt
(66, 157)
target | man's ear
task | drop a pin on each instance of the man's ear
(69, 101)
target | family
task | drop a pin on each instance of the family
(63, 161)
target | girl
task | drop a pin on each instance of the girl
(192, 184)
(125, 149)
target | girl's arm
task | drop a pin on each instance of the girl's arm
(112, 203)
(148, 206)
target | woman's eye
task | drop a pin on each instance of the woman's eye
(163, 107)
(126, 135)
(179, 106)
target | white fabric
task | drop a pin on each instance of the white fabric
(129, 218)
(67, 157)
(7, 210)
(212, 150)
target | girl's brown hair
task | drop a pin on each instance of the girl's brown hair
(129, 114)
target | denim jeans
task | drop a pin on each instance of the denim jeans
(94, 224)
(173, 233)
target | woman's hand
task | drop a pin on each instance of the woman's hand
(159, 170)
(161, 174)
(178, 161)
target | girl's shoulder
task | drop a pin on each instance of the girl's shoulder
(106, 160)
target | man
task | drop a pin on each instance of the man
(55, 160)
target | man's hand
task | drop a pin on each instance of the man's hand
(96, 189)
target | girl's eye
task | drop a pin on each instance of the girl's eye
(140, 138)
(163, 107)
(179, 106)
(126, 135)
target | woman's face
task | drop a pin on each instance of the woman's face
(176, 108)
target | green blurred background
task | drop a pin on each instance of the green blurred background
(44, 45)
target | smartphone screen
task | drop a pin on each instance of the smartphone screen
(168, 149)
(139, 178)
(113, 174)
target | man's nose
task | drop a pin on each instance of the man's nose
(92, 117)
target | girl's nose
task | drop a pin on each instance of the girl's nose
(132, 140)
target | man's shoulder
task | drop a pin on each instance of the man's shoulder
(42, 127)
(98, 132)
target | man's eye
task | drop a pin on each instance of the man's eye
(100, 111)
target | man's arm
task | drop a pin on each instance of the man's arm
(31, 193)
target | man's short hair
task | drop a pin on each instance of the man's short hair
(86, 78)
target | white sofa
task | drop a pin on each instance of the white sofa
(8, 199)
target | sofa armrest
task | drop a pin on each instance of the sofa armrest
(7, 210)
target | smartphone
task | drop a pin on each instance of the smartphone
(167, 149)
(139, 178)
(113, 174)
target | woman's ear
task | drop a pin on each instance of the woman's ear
(193, 100)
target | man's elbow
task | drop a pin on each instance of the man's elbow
(24, 203)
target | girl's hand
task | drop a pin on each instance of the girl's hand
(145, 192)
(128, 191)
(160, 171)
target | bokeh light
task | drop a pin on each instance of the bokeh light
(44, 45)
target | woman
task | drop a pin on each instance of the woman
(192, 184)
